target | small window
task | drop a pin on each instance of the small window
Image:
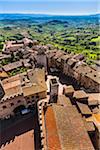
(28, 102)
(32, 96)
(66, 60)
(37, 96)
(12, 104)
(95, 75)
(4, 107)
(18, 101)
(76, 66)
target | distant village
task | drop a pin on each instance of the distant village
(60, 86)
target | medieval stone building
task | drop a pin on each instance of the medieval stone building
(22, 90)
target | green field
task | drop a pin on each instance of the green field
(65, 35)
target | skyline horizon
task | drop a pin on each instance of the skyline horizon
(52, 7)
(54, 14)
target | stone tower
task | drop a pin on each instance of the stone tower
(53, 90)
(42, 58)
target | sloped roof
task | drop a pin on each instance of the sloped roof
(65, 129)
(12, 66)
(27, 84)
(81, 67)
(89, 125)
(80, 94)
(79, 56)
(69, 89)
(12, 87)
(95, 119)
(93, 98)
(71, 61)
(16, 64)
(53, 141)
(87, 71)
(65, 57)
(3, 74)
(36, 82)
(4, 56)
(58, 54)
(84, 109)
(51, 54)
(63, 100)
(94, 75)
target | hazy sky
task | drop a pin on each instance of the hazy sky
(67, 7)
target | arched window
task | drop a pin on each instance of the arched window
(27, 98)
(12, 104)
(18, 101)
(4, 107)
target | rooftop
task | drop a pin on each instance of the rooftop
(95, 119)
(68, 89)
(81, 67)
(89, 125)
(93, 98)
(84, 109)
(17, 64)
(58, 54)
(79, 56)
(12, 87)
(87, 71)
(21, 142)
(31, 82)
(80, 94)
(53, 141)
(65, 129)
(12, 66)
(3, 74)
(94, 75)
(65, 57)
(4, 56)
(64, 101)
(72, 62)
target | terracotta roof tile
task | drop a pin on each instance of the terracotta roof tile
(84, 109)
(53, 142)
(93, 98)
(66, 126)
(80, 94)
(27, 84)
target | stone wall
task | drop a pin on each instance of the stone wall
(7, 107)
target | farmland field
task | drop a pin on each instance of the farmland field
(76, 34)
